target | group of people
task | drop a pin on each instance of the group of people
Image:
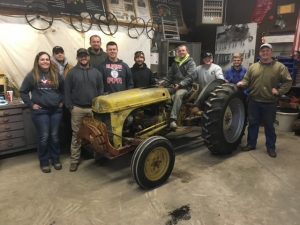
(54, 89)
(264, 82)
(54, 86)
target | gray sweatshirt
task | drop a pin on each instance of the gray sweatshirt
(204, 74)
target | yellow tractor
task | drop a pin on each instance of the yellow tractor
(137, 119)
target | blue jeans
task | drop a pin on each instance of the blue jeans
(261, 113)
(47, 122)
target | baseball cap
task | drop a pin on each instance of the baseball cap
(57, 49)
(266, 45)
(82, 51)
(206, 54)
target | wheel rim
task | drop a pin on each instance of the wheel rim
(233, 121)
(156, 163)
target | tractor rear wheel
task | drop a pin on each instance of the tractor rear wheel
(152, 162)
(224, 119)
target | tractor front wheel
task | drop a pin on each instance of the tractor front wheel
(152, 162)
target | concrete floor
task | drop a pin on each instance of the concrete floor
(243, 188)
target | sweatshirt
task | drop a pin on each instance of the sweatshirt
(182, 72)
(43, 93)
(116, 76)
(205, 74)
(82, 85)
(261, 78)
(142, 76)
(96, 59)
(63, 68)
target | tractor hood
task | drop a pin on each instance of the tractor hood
(132, 98)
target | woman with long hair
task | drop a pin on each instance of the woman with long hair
(46, 102)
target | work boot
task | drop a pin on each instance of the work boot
(46, 169)
(57, 165)
(272, 153)
(73, 167)
(247, 148)
(173, 124)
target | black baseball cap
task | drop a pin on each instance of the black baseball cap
(82, 51)
(57, 49)
(206, 54)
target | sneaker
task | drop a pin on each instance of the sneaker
(173, 125)
(247, 148)
(57, 166)
(73, 167)
(46, 169)
(272, 153)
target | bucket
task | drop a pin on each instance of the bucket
(286, 119)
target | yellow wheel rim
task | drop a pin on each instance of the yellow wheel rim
(156, 163)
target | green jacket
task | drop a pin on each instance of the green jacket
(261, 78)
(96, 59)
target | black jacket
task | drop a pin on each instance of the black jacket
(82, 85)
(142, 76)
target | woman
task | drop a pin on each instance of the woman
(46, 101)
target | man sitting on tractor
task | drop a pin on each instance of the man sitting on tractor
(180, 75)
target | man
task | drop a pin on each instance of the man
(82, 84)
(296, 57)
(237, 72)
(97, 55)
(266, 80)
(180, 75)
(208, 71)
(141, 74)
(116, 74)
(59, 59)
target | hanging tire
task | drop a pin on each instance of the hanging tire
(224, 119)
(152, 162)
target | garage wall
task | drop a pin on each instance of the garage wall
(19, 43)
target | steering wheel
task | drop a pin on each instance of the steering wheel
(151, 28)
(136, 27)
(82, 22)
(107, 22)
(38, 16)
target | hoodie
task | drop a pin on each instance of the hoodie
(116, 76)
(43, 93)
(96, 59)
(182, 71)
(82, 85)
(142, 76)
(63, 68)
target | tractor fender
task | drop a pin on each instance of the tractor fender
(206, 91)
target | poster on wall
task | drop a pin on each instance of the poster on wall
(142, 9)
(122, 9)
(168, 10)
(240, 38)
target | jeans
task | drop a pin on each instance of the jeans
(47, 122)
(265, 113)
(177, 102)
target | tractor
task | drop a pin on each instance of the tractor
(137, 120)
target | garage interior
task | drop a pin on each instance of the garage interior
(203, 188)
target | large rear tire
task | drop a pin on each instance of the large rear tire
(152, 162)
(224, 119)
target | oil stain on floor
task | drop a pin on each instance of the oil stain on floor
(182, 213)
